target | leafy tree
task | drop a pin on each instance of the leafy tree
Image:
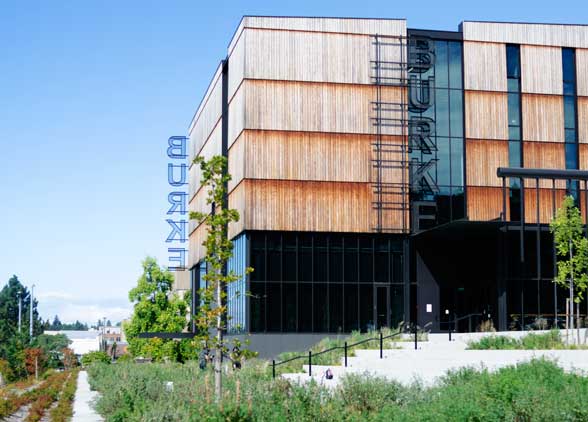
(52, 346)
(572, 250)
(12, 343)
(156, 310)
(95, 357)
(35, 360)
(212, 313)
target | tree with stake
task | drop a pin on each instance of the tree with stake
(572, 249)
(212, 313)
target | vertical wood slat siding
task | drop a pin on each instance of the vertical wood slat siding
(208, 117)
(308, 156)
(237, 201)
(582, 71)
(543, 118)
(198, 204)
(544, 155)
(195, 248)
(583, 163)
(583, 118)
(541, 70)
(311, 206)
(484, 66)
(237, 113)
(313, 56)
(237, 61)
(483, 159)
(485, 203)
(212, 146)
(527, 33)
(315, 107)
(545, 204)
(486, 115)
(340, 25)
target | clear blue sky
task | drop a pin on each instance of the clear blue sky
(89, 93)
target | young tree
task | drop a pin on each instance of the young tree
(156, 310)
(572, 250)
(212, 313)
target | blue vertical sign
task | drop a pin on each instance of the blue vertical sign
(177, 177)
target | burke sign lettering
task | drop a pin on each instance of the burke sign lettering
(177, 177)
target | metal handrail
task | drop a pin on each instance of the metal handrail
(345, 347)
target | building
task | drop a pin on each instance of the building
(364, 159)
(82, 342)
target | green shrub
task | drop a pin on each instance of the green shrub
(532, 341)
(95, 357)
(538, 390)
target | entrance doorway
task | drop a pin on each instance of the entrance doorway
(382, 308)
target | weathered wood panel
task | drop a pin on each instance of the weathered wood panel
(546, 204)
(543, 118)
(314, 56)
(484, 66)
(583, 119)
(544, 155)
(208, 114)
(484, 203)
(237, 159)
(541, 70)
(212, 146)
(583, 163)
(309, 156)
(311, 206)
(237, 65)
(237, 202)
(237, 113)
(527, 33)
(315, 107)
(483, 158)
(198, 203)
(582, 71)
(195, 248)
(486, 115)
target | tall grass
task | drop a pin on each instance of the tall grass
(538, 390)
(546, 341)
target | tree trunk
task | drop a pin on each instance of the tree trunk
(572, 289)
(218, 355)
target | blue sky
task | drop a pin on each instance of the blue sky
(89, 93)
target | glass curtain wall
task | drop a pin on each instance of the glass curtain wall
(323, 282)
(447, 113)
(515, 145)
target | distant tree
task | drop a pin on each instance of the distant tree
(56, 325)
(35, 360)
(69, 358)
(156, 309)
(212, 312)
(12, 343)
(52, 346)
(108, 323)
(572, 252)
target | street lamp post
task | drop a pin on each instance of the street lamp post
(31, 312)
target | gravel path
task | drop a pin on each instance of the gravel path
(83, 410)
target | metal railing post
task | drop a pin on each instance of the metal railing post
(470, 323)
(273, 368)
(415, 337)
(310, 363)
(381, 344)
(345, 354)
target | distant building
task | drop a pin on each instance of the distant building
(113, 341)
(82, 342)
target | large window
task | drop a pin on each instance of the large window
(322, 282)
(515, 146)
(571, 133)
(448, 135)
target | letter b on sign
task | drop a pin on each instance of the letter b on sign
(177, 147)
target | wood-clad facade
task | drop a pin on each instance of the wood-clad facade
(359, 149)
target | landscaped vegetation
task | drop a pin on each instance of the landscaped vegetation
(538, 390)
(39, 397)
(543, 341)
